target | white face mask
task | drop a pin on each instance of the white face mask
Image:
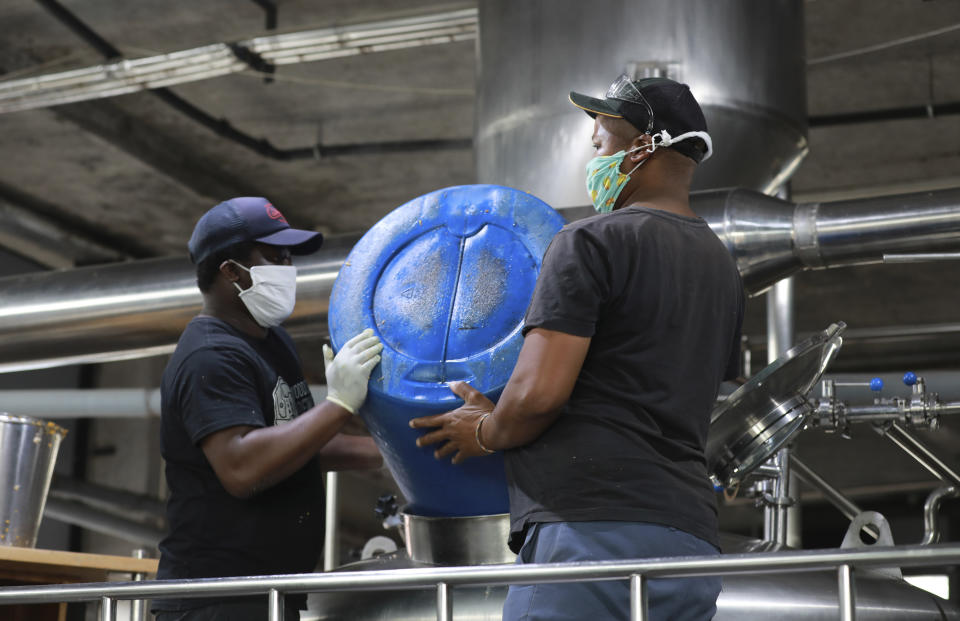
(271, 297)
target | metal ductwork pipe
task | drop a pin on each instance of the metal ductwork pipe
(99, 521)
(131, 310)
(62, 403)
(773, 238)
(139, 308)
(136, 508)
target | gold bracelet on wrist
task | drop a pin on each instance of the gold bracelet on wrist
(476, 433)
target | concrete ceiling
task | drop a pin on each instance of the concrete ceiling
(127, 177)
(139, 173)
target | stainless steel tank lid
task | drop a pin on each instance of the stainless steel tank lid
(763, 414)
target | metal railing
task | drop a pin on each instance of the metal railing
(444, 579)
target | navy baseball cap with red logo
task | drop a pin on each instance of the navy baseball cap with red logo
(248, 218)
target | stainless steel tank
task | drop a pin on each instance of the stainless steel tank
(743, 60)
(789, 597)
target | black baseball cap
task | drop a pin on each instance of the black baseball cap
(247, 218)
(653, 105)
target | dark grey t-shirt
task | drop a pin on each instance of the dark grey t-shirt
(217, 378)
(662, 300)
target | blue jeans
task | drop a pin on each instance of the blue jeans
(668, 599)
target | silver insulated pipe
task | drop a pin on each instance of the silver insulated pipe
(773, 238)
(138, 309)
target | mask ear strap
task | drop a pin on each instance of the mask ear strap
(666, 140)
(642, 162)
(650, 148)
(241, 267)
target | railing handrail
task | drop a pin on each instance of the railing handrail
(422, 578)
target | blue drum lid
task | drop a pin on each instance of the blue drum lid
(444, 281)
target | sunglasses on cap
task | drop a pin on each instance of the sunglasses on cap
(623, 89)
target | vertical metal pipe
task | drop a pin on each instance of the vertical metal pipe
(781, 493)
(331, 537)
(106, 609)
(766, 488)
(138, 607)
(780, 319)
(444, 603)
(275, 605)
(781, 522)
(847, 593)
(638, 598)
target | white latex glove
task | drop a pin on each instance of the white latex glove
(349, 372)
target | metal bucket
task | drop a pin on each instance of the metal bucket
(473, 540)
(28, 451)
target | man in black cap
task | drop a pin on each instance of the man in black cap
(244, 445)
(634, 323)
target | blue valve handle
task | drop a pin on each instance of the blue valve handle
(876, 384)
(909, 378)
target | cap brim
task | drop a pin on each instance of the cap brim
(297, 240)
(594, 106)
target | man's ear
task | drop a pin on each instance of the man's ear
(641, 143)
(230, 271)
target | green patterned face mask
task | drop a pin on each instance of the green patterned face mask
(605, 181)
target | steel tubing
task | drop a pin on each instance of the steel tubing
(848, 606)
(832, 494)
(863, 230)
(129, 505)
(132, 309)
(444, 602)
(424, 578)
(872, 413)
(921, 257)
(931, 532)
(139, 308)
(331, 533)
(102, 522)
(638, 598)
(106, 609)
(275, 605)
(772, 238)
(781, 495)
(924, 456)
(138, 607)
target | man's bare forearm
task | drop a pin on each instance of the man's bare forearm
(346, 452)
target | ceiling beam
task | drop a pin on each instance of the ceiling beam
(283, 49)
(51, 236)
(46, 244)
(219, 59)
(154, 147)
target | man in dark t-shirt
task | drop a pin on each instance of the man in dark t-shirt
(243, 442)
(634, 323)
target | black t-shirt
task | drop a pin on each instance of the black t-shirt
(219, 378)
(661, 298)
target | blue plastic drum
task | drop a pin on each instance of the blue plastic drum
(444, 281)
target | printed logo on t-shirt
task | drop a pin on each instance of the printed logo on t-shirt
(284, 409)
